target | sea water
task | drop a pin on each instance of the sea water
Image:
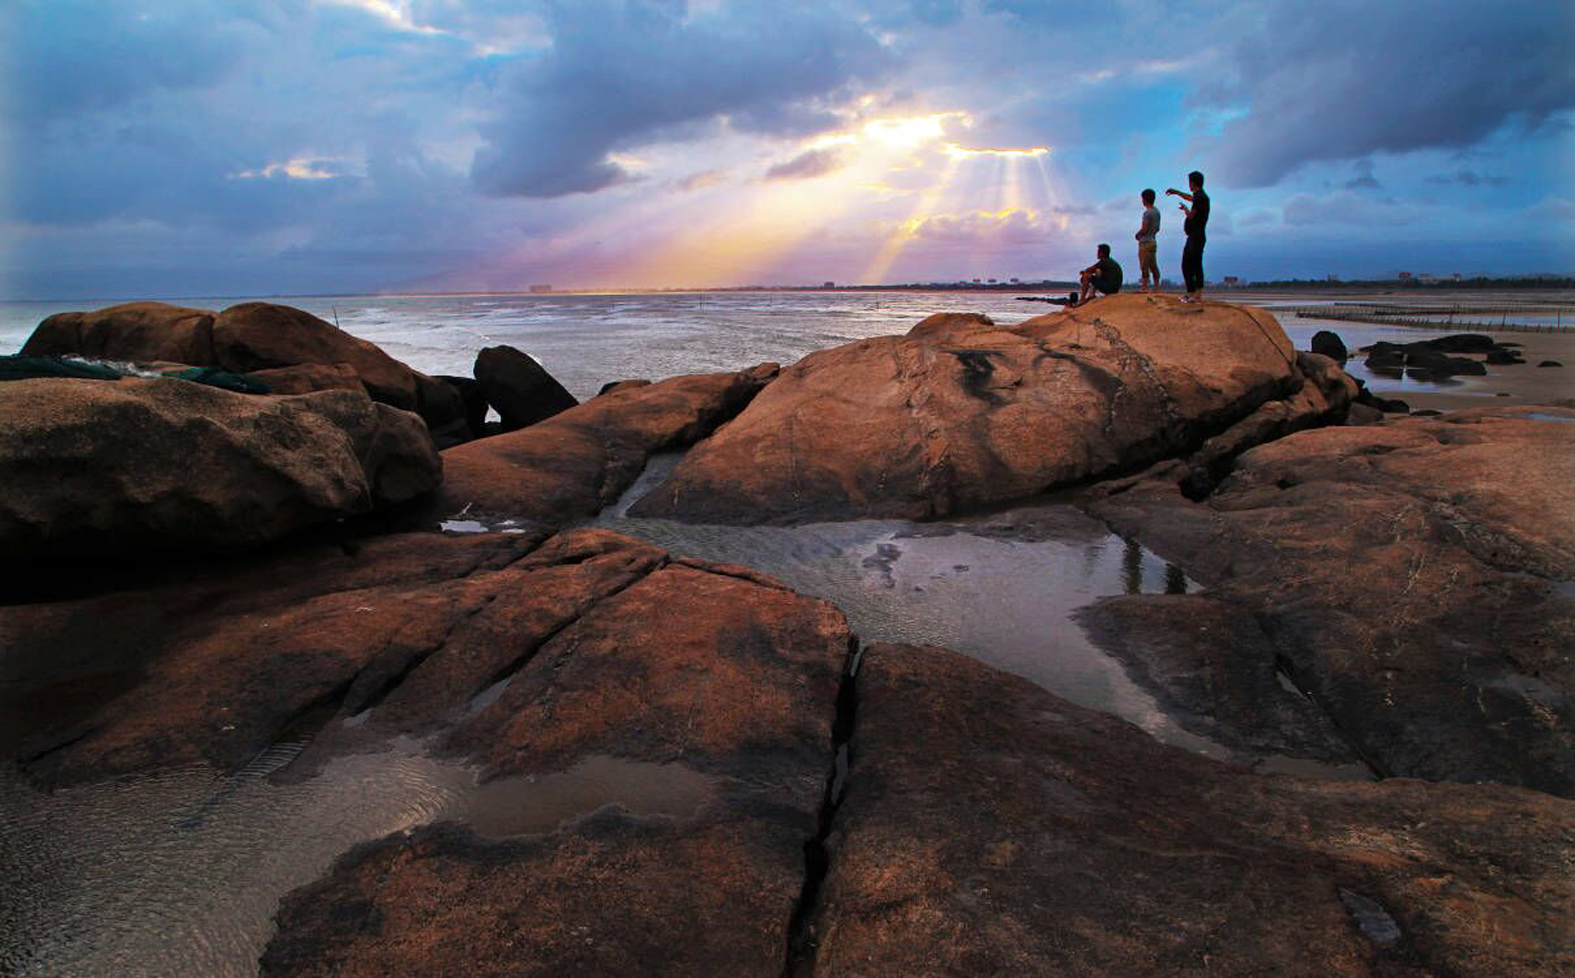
(588, 340)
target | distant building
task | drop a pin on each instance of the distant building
(1424, 277)
(1012, 280)
(1403, 276)
(1331, 277)
(541, 288)
(828, 285)
(1456, 276)
(1232, 280)
(975, 281)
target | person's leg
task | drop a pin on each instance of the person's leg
(1148, 262)
(1191, 267)
(1198, 263)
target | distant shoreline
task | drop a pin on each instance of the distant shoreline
(1287, 287)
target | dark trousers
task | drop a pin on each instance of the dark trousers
(1192, 264)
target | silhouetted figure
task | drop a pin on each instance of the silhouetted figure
(1148, 244)
(1197, 223)
(1102, 277)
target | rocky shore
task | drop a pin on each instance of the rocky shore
(271, 568)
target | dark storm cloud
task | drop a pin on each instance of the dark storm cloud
(624, 74)
(1346, 79)
(810, 163)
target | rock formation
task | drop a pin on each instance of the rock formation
(577, 462)
(116, 467)
(990, 828)
(962, 413)
(521, 391)
(1411, 587)
(252, 336)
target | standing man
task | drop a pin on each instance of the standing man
(1148, 247)
(1197, 222)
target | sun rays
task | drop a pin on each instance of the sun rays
(887, 189)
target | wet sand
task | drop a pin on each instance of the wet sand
(1523, 383)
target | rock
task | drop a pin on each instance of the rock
(1503, 357)
(1447, 656)
(1388, 405)
(516, 385)
(96, 467)
(1361, 414)
(1329, 344)
(1463, 343)
(134, 331)
(990, 828)
(473, 398)
(619, 385)
(442, 406)
(1214, 670)
(612, 655)
(961, 413)
(1325, 398)
(246, 338)
(576, 463)
(262, 335)
(1550, 363)
(305, 378)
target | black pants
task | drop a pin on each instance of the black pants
(1192, 264)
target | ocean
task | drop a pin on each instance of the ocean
(588, 340)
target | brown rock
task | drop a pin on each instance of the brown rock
(577, 462)
(261, 335)
(97, 467)
(1215, 672)
(137, 331)
(519, 388)
(704, 674)
(305, 378)
(961, 413)
(991, 828)
(1410, 583)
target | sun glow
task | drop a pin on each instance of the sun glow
(898, 183)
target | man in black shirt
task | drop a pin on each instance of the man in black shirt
(1102, 276)
(1197, 222)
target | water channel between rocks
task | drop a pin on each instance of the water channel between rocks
(179, 871)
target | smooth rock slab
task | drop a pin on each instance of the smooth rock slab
(579, 461)
(989, 827)
(690, 666)
(961, 413)
(1414, 575)
(114, 467)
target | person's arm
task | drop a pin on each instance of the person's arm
(1173, 192)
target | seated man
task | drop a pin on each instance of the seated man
(1103, 276)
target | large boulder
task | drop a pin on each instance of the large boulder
(141, 331)
(1417, 595)
(961, 413)
(712, 689)
(246, 338)
(989, 828)
(107, 467)
(576, 463)
(261, 335)
(519, 388)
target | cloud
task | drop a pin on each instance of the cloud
(1468, 178)
(1344, 207)
(621, 75)
(700, 180)
(1364, 179)
(1015, 226)
(1348, 78)
(808, 164)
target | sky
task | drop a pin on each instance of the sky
(277, 147)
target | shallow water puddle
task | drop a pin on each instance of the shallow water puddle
(179, 872)
(1000, 587)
